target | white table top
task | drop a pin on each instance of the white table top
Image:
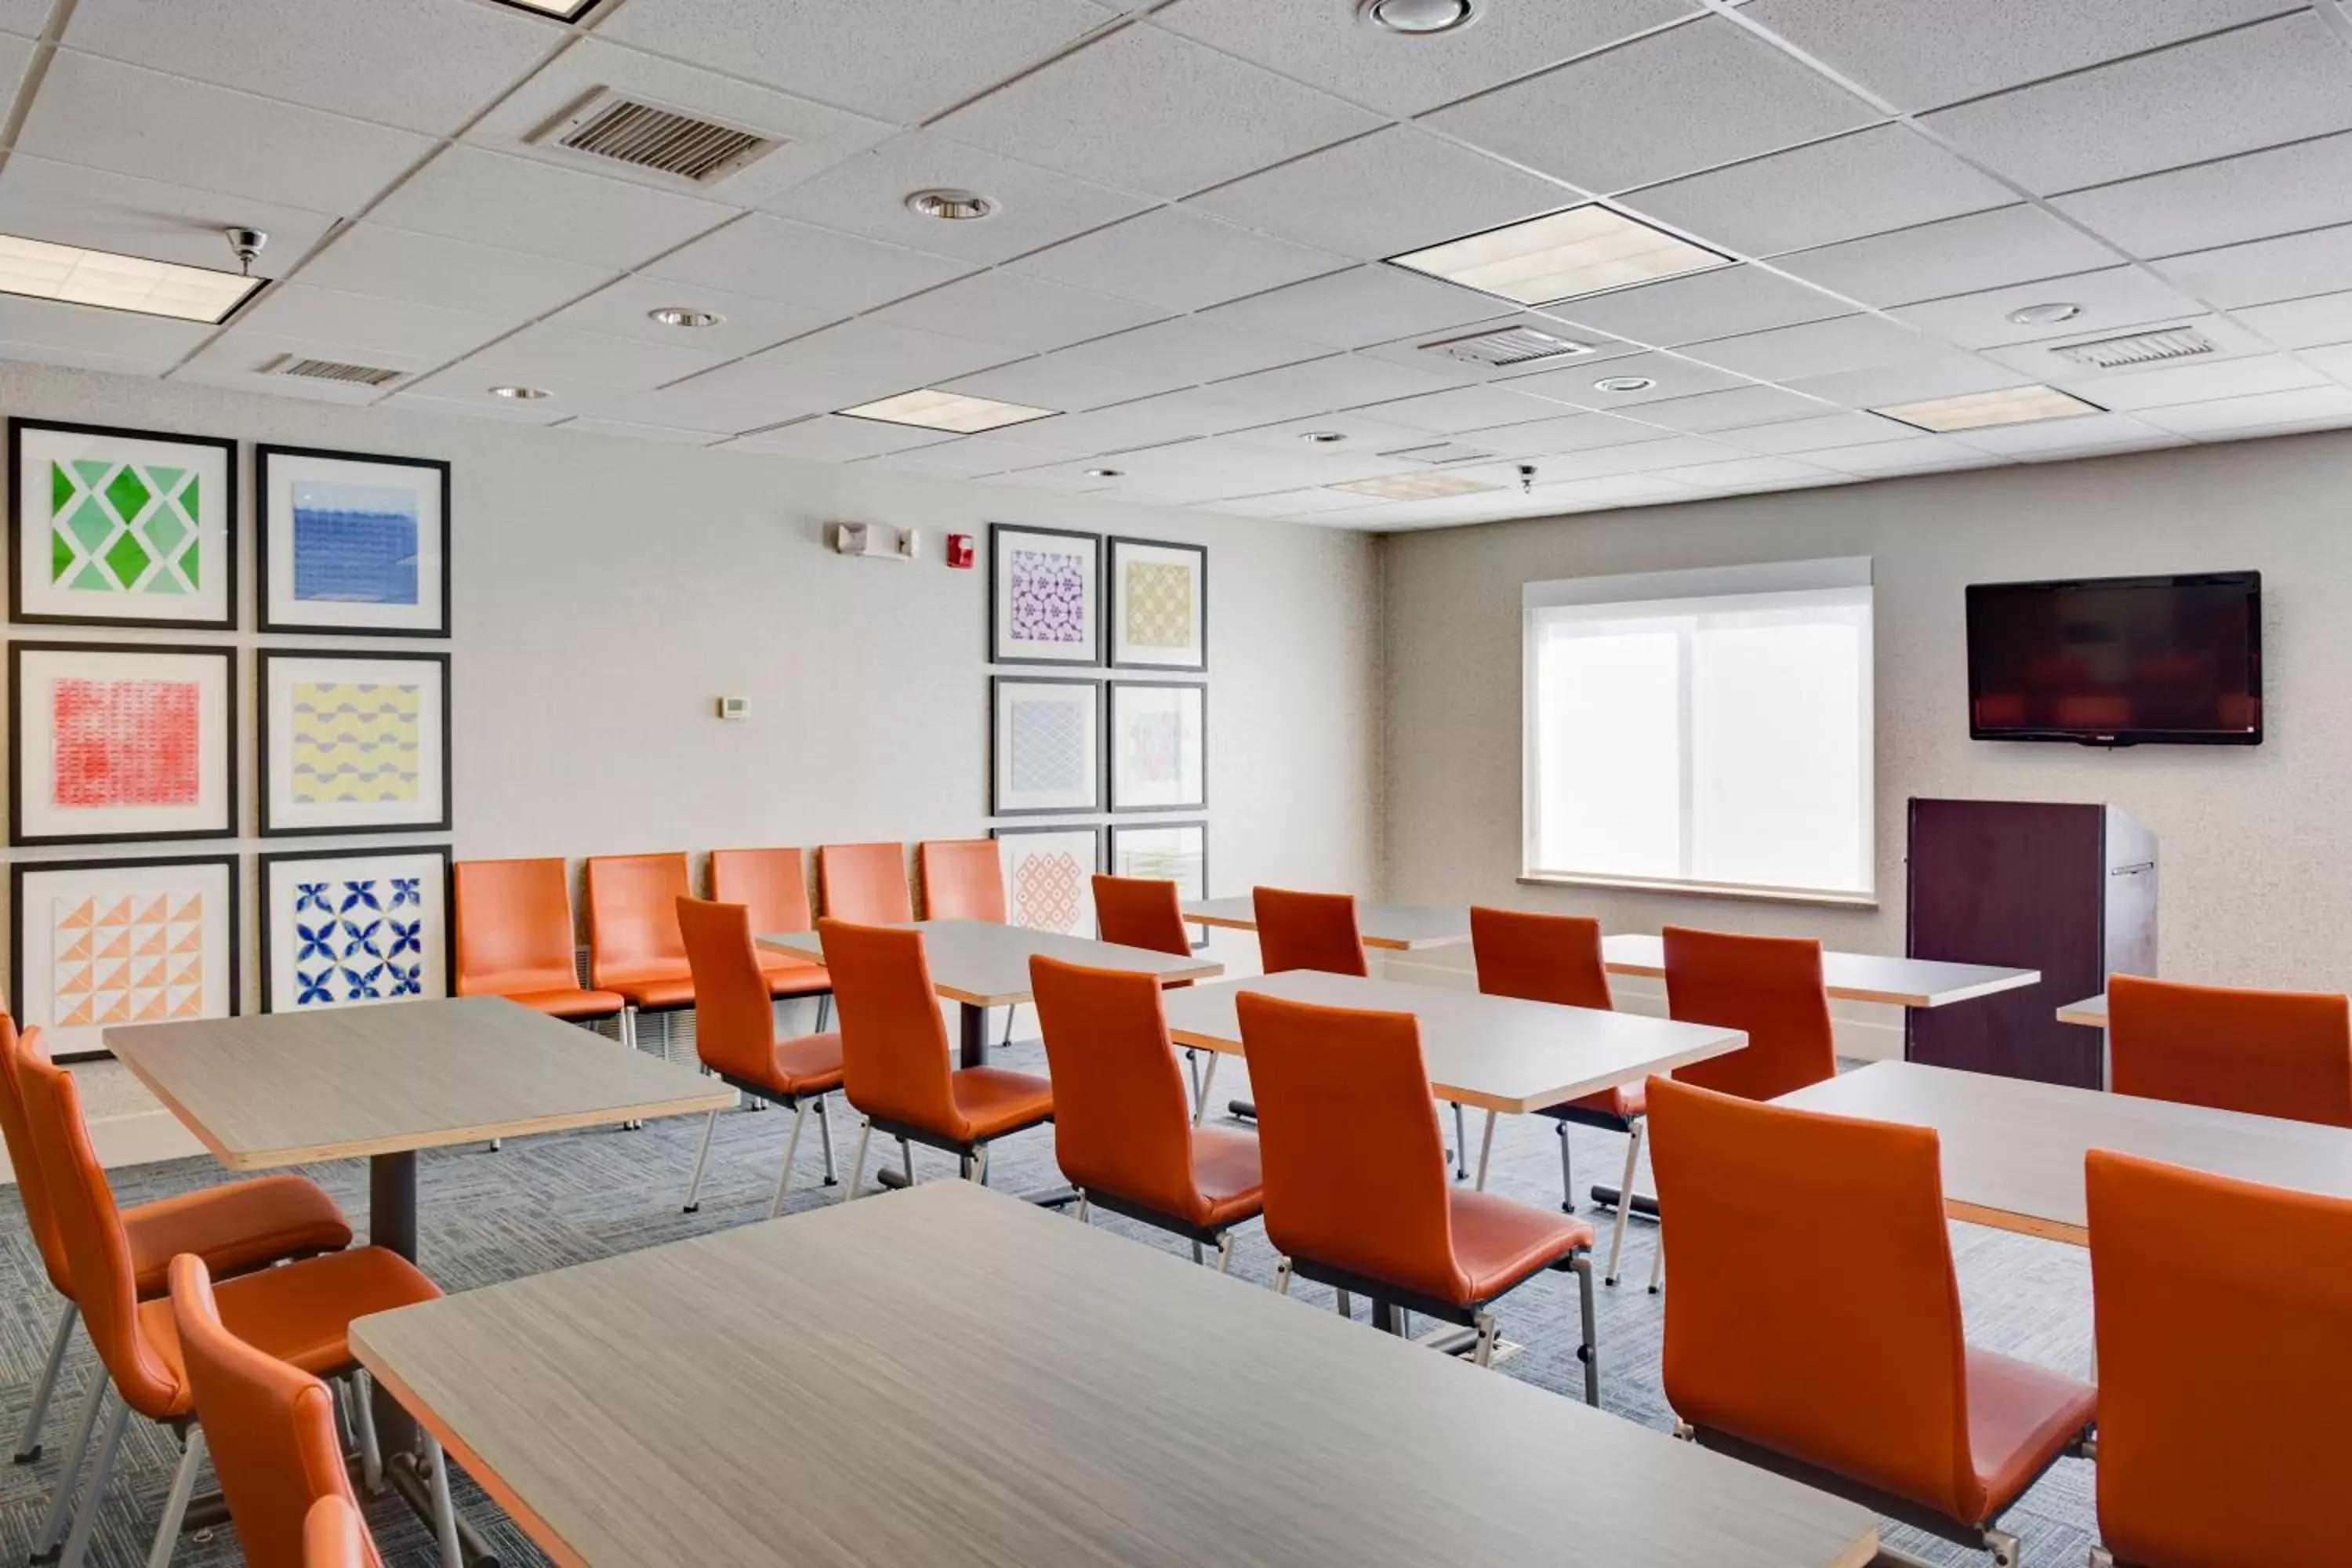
(2091, 1012)
(947, 1375)
(1393, 928)
(984, 963)
(1497, 1053)
(2013, 1148)
(1851, 976)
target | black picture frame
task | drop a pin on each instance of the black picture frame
(1093, 830)
(1110, 858)
(19, 615)
(18, 838)
(1096, 773)
(374, 656)
(995, 629)
(21, 869)
(1111, 598)
(263, 525)
(1111, 688)
(263, 862)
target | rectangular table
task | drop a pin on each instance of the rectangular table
(2091, 1012)
(1393, 928)
(1851, 976)
(946, 1376)
(2013, 1148)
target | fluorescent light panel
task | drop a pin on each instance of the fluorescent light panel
(75, 276)
(1563, 255)
(1414, 487)
(930, 409)
(1980, 410)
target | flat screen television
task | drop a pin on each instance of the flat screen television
(2119, 661)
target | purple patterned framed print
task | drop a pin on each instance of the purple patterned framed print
(1046, 745)
(1044, 590)
(349, 928)
(1049, 877)
(1158, 745)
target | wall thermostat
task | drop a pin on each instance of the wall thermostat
(734, 708)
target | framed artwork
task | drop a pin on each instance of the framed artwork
(121, 528)
(1174, 852)
(353, 743)
(1159, 735)
(1046, 745)
(1043, 591)
(1049, 877)
(353, 543)
(347, 928)
(106, 942)
(1158, 605)
(117, 741)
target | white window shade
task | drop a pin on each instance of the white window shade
(1703, 729)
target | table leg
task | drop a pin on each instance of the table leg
(974, 1022)
(392, 1225)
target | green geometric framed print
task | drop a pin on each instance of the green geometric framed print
(121, 528)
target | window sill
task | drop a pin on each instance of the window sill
(1704, 890)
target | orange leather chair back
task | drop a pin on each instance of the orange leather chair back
(270, 1427)
(771, 883)
(963, 879)
(1141, 912)
(864, 882)
(1121, 1122)
(1307, 931)
(2271, 1053)
(2252, 1472)
(632, 915)
(1853, 1360)
(335, 1536)
(514, 927)
(1770, 987)
(1538, 957)
(105, 1281)
(25, 1157)
(1355, 1165)
(734, 1025)
(894, 1046)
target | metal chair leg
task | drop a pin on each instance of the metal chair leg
(1588, 1351)
(1282, 1277)
(784, 1172)
(1658, 1262)
(53, 1528)
(1461, 1143)
(824, 1136)
(629, 1027)
(1011, 1012)
(1482, 1352)
(363, 1417)
(2101, 1558)
(1485, 1151)
(109, 1450)
(1084, 1207)
(701, 1158)
(824, 1011)
(175, 1501)
(1192, 1067)
(2004, 1547)
(1567, 1169)
(28, 1442)
(444, 1507)
(1624, 1194)
(1200, 1095)
(1347, 1305)
(906, 1160)
(857, 1163)
(1199, 1256)
(1225, 1253)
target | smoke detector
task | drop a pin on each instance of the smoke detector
(1419, 18)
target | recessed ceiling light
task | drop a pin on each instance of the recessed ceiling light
(2045, 315)
(1563, 255)
(520, 394)
(1419, 18)
(74, 275)
(930, 409)
(1624, 383)
(1978, 410)
(954, 206)
(684, 316)
(1322, 438)
(562, 10)
(1414, 487)
(1106, 473)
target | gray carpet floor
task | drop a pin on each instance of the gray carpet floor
(546, 1202)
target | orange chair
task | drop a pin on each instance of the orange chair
(515, 939)
(963, 879)
(234, 1228)
(298, 1312)
(633, 947)
(1122, 1131)
(1859, 1381)
(2268, 1053)
(1148, 913)
(895, 1055)
(335, 1536)
(270, 1427)
(1356, 1190)
(735, 1035)
(865, 883)
(2249, 1473)
(1307, 931)
(772, 884)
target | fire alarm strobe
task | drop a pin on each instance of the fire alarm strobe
(960, 551)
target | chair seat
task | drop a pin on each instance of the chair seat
(790, 976)
(1614, 1108)
(653, 988)
(1227, 1173)
(2020, 1416)
(569, 1002)
(234, 1228)
(809, 1065)
(1499, 1241)
(993, 1101)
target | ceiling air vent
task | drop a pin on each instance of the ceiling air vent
(1512, 345)
(1438, 454)
(331, 370)
(647, 136)
(2140, 348)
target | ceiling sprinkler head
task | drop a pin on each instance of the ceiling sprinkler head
(1526, 478)
(247, 244)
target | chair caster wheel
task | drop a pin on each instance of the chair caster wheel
(1610, 1280)
(1657, 1291)
(29, 1455)
(830, 1182)
(690, 1208)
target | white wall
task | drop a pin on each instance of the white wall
(2254, 883)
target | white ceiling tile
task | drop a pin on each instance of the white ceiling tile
(1057, 380)
(589, 425)
(372, 258)
(1887, 177)
(867, 196)
(1819, 348)
(2278, 190)
(1712, 411)
(2262, 270)
(555, 357)
(1820, 434)
(1173, 256)
(422, 65)
(239, 361)
(26, 16)
(1147, 110)
(1294, 503)
(1566, 433)
(1356, 309)
(748, 394)
(1342, 381)
(1703, 305)
(974, 455)
(1395, 191)
(2111, 301)
(1188, 350)
(15, 54)
(1678, 100)
(42, 199)
(519, 203)
(1072, 479)
(1881, 385)
(2089, 433)
(107, 115)
(1463, 409)
(1917, 454)
(831, 438)
(2290, 323)
(2336, 359)
(1018, 312)
(2159, 111)
(771, 258)
(1640, 458)
(1957, 256)
(1326, 47)
(1416, 351)
(1618, 490)
(2170, 384)
(360, 325)
(903, 61)
(745, 324)
(880, 360)
(2046, 360)
(457, 404)
(1174, 417)
(1743, 473)
(2318, 407)
(118, 334)
(814, 136)
(1360, 434)
(1923, 53)
(1676, 376)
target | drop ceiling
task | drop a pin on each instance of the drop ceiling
(1196, 206)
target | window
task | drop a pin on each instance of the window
(1708, 730)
